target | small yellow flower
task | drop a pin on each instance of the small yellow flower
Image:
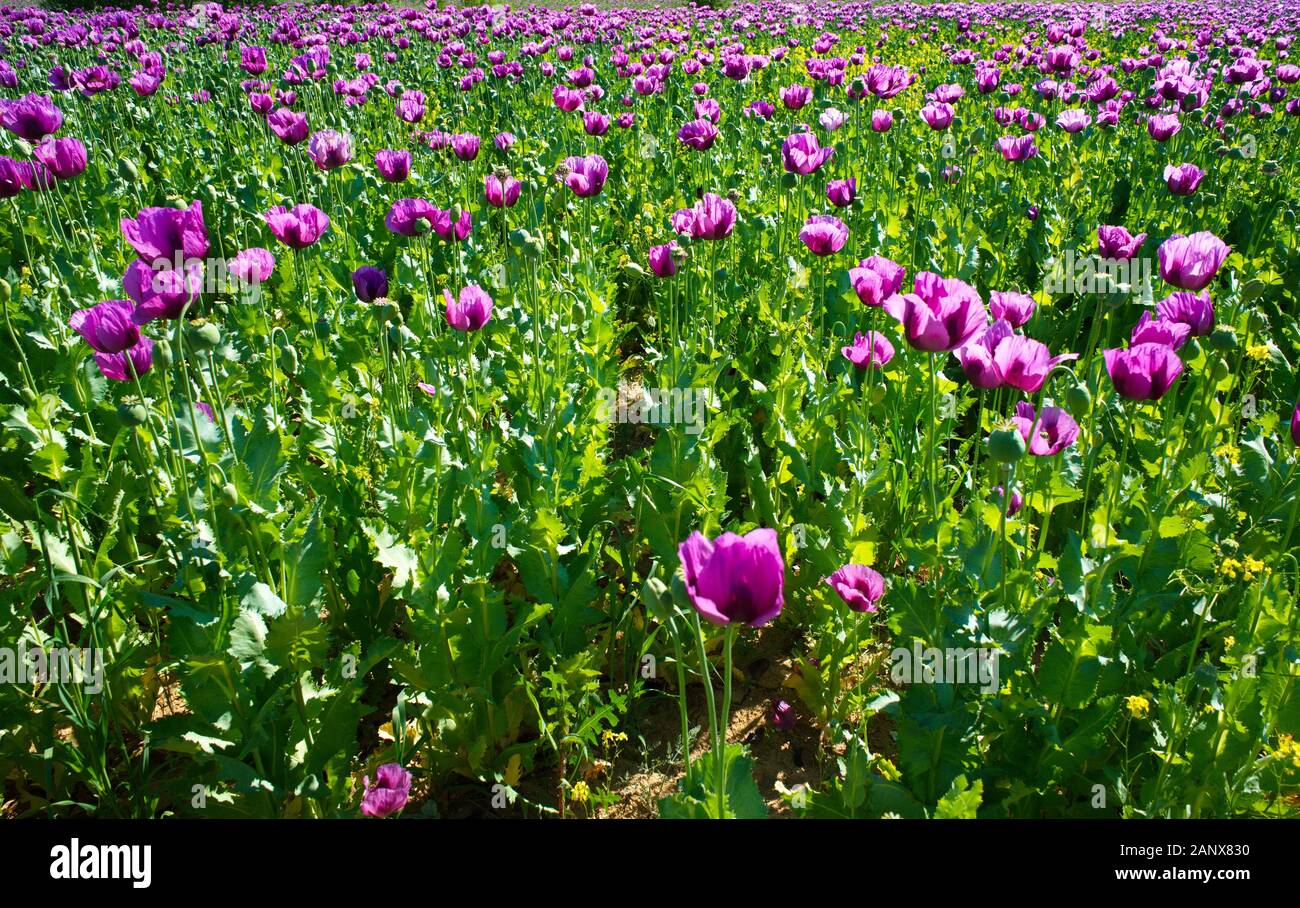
(1230, 568)
(1138, 706)
(581, 792)
(1229, 451)
(609, 737)
(1287, 750)
(1258, 352)
(1229, 642)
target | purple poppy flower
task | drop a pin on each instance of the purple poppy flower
(65, 157)
(11, 179)
(872, 349)
(595, 123)
(587, 175)
(1053, 430)
(1295, 425)
(393, 166)
(31, 117)
(1014, 505)
(859, 586)
(1183, 179)
(1144, 372)
(1190, 262)
(841, 193)
(329, 150)
(1073, 120)
(370, 283)
(937, 115)
(168, 233)
(288, 126)
(471, 310)
(501, 191)
(1192, 309)
(405, 217)
(876, 279)
(940, 315)
(1017, 148)
(127, 364)
(662, 262)
(389, 793)
(977, 356)
(802, 154)
(107, 326)
(465, 145)
(1159, 331)
(795, 96)
(161, 292)
(1163, 127)
(450, 230)
(734, 579)
(782, 716)
(712, 217)
(1118, 243)
(1024, 363)
(1014, 308)
(881, 120)
(824, 234)
(832, 119)
(297, 227)
(698, 134)
(252, 266)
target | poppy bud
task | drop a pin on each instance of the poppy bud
(206, 336)
(289, 361)
(1006, 444)
(162, 353)
(1220, 370)
(28, 396)
(1078, 400)
(229, 495)
(878, 393)
(5, 291)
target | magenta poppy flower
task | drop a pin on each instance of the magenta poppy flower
(465, 145)
(977, 356)
(390, 792)
(1073, 120)
(11, 181)
(567, 99)
(1025, 363)
(449, 230)
(937, 115)
(841, 193)
(1191, 309)
(1013, 308)
(859, 586)
(168, 233)
(1295, 425)
(587, 175)
(1183, 179)
(940, 315)
(662, 262)
(1014, 505)
(802, 154)
(876, 279)
(128, 364)
(297, 227)
(1017, 148)
(1118, 243)
(501, 191)
(161, 292)
(782, 716)
(393, 166)
(824, 234)
(734, 579)
(252, 266)
(595, 123)
(712, 217)
(1144, 372)
(471, 310)
(1163, 127)
(108, 326)
(504, 141)
(698, 134)
(795, 96)
(329, 150)
(410, 217)
(887, 81)
(870, 350)
(1053, 430)
(370, 283)
(1190, 262)
(881, 120)
(31, 117)
(1159, 331)
(65, 157)
(288, 126)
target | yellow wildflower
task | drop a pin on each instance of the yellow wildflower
(1138, 706)
(1288, 749)
(581, 792)
(1228, 450)
(1258, 352)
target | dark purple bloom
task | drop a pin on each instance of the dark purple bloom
(734, 579)
(1190, 262)
(168, 233)
(129, 363)
(1144, 372)
(389, 793)
(370, 283)
(31, 117)
(871, 349)
(107, 326)
(1118, 243)
(1192, 309)
(1053, 430)
(393, 166)
(941, 315)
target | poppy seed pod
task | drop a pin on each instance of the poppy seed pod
(1006, 445)
(1078, 400)
(132, 414)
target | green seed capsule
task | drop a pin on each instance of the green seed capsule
(1006, 445)
(1191, 349)
(1221, 369)
(28, 396)
(162, 353)
(207, 336)
(1223, 339)
(132, 414)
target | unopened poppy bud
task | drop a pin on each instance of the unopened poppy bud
(1221, 369)
(5, 291)
(1078, 400)
(229, 495)
(289, 360)
(162, 353)
(877, 393)
(1006, 444)
(206, 336)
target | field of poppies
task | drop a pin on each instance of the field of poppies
(777, 409)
